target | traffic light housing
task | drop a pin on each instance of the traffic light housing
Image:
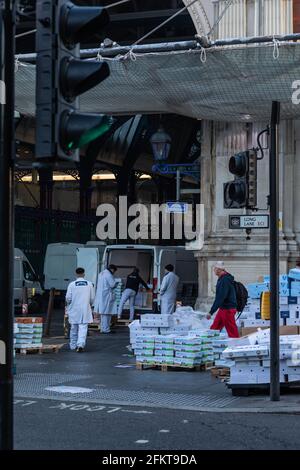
(61, 130)
(242, 191)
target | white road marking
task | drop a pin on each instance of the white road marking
(185, 421)
(141, 441)
(66, 389)
(164, 430)
(24, 402)
(138, 412)
(85, 407)
(114, 410)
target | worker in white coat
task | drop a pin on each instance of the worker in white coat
(105, 304)
(79, 300)
(168, 291)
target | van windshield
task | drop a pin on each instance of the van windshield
(127, 259)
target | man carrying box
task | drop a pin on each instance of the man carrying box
(225, 302)
(131, 289)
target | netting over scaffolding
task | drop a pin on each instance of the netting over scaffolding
(236, 83)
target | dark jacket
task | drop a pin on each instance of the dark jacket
(225, 294)
(133, 282)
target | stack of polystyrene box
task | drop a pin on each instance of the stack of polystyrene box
(136, 330)
(188, 351)
(252, 361)
(289, 300)
(119, 287)
(150, 324)
(162, 339)
(219, 345)
(30, 332)
(164, 349)
(144, 349)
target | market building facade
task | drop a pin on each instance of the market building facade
(247, 257)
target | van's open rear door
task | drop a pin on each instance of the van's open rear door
(88, 259)
(166, 257)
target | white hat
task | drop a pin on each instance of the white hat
(219, 265)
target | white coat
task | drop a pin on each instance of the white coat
(79, 298)
(105, 298)
(168, 291)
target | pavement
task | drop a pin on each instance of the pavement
(107, 371)
(101, 388)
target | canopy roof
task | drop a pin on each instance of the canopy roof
(232, 83)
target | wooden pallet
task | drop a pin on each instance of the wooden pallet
(209, 365)
(94, 326)
(166, 367)
(219, 372)
(46, 348)
(122, 322)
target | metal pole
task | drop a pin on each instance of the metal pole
(274, 254)
(49, 312)
(173, 46)
(7, 152)
(178, 185)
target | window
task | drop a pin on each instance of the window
(29, 274)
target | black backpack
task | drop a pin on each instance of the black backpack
(241, 295)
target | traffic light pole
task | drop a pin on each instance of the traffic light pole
(274, 253)
(7, 145)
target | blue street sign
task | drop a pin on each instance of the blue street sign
(188, 169)
(177, 207)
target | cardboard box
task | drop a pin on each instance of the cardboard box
(29, 320)
(283, 330)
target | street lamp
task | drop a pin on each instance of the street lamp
(161, 145)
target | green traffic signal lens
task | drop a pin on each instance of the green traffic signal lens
(78, 130)
(93, 134)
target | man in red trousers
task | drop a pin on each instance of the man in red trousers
(225, 302)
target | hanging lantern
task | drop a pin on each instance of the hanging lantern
(161, 145)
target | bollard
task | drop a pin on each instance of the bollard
(49, 312)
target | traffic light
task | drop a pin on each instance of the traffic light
(242, 191)
(61, 130)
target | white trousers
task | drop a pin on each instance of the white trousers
(167, 305)
(105, 323)
(127, 294)
(78, 334)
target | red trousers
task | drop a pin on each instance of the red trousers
(226, 318)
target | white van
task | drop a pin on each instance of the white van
(24, 276)
(59, 266)
(90, 257)
(151, 261)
